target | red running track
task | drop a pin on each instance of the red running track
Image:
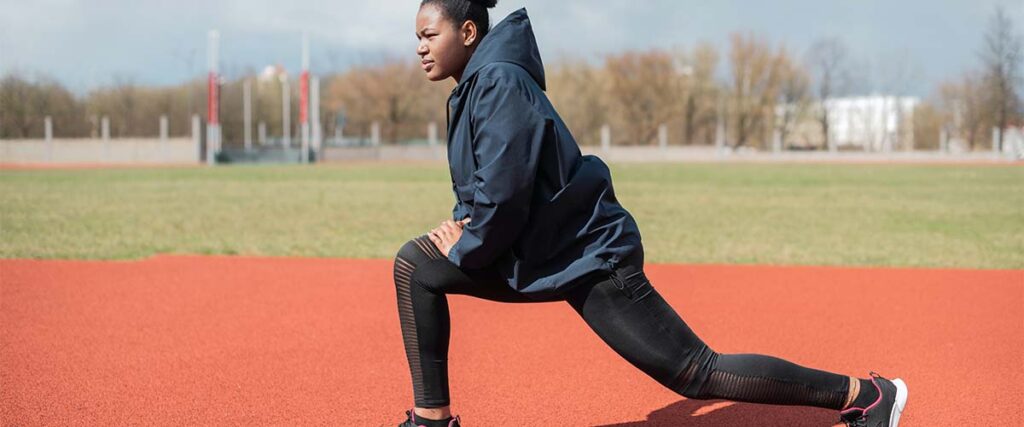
(176, 340)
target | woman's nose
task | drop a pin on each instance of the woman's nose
(422, 48)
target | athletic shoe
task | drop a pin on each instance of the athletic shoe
(411, 421)
(885, 411)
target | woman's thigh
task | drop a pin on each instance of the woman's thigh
(437, 274)
(626, 311)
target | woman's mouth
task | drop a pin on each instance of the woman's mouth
(427, 65)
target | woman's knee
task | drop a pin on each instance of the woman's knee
(410, 251)
(414, 261)
(691, 380)
(408, 258)
(419, 250)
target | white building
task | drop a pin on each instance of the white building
(873, 123)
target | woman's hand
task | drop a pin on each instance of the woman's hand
(445, 235)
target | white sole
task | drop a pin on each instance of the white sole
(900, 403)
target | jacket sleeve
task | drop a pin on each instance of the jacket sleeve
(460, 210)
(509, 133)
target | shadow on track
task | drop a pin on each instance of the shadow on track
(721, 413)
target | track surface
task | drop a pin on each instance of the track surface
(175, 340)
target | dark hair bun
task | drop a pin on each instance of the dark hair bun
(485, 3)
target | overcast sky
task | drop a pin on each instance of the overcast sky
(86, 44)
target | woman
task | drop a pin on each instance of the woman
(534, 220)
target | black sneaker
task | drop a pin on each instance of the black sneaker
(885, 411)
(411, 420)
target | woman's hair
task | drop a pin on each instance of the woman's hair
(459, 11)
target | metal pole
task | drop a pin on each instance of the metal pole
(304, 99)
(247, 113)
(286, 113)
(317, 128)
(663, 136)
(196, 138)
(262, 133)
(213, 97)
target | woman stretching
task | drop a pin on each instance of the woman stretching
(534, 220)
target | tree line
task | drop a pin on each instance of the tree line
(754, 89)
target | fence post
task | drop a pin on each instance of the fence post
(432, 133)
(197, 138)
(163, 128)
(606, 137)
(663, 136)
(163, 137)
(48, 135)
(720, 136)
(943, 141)
(286, 114)
(247, 113)
(776, 141)
(375, 134)
(262, 133)
(314, 115)
(105, 132)
(995, 140)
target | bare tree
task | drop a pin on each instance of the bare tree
(756, 77)
(24, 104)
(394, 93)
(577, 90)
(829, 61)
(962, 108)
(1001, 57)
(794, 95)
(643, 87)
(700, 93)
(16, 109)
(897, 75)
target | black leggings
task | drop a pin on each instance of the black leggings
(623, 309)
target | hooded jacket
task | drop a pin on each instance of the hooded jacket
(542, 214)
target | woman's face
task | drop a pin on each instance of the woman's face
(444, 49)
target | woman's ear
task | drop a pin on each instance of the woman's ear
(469, 33)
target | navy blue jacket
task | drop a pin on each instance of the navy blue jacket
(542, 214)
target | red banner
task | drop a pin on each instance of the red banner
(304, 97)
(212, 100)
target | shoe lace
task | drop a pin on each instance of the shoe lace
(859, 422)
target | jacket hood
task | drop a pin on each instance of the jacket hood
(512, 41)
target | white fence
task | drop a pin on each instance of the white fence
(385, 152)
(683, 154)
(100, 151)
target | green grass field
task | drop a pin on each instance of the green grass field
(876, 215)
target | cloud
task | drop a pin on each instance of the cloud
(85, 43)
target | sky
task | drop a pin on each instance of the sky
(88, 44)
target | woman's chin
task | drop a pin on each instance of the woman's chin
(435, 76)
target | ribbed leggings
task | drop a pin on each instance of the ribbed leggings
(623, 309)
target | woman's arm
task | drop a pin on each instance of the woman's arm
(507, 146)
